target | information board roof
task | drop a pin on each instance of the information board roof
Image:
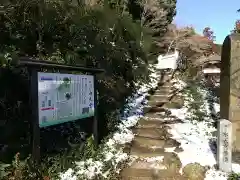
(26, 61)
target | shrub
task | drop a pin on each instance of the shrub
(233, 176)
(64, 32)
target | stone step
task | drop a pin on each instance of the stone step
(167, 75)
(158, 109)
(158, 116)
(163, 176)
(162, 140)
(163, 120)
(166, 86)
(165, 81)
(163, 91)
(146, 171)
(146, 164)
(146, 152)
(155, 108)
(147, 149)
(155, 116)
(155, 133)
(140, 171)
(145, 123)
(157, 103)
(171, 120)
(148, 142)
(160, 96)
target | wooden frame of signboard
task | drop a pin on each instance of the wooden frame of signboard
(34, 66)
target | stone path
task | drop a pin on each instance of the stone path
(152, 147)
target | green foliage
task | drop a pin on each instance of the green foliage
(196, 106)
(3, 172)
(157, 15)
(234, 176)
(154, 15)
(23, 170)
(51, 165)
(189, 71)
(63, 32)
(90, 149)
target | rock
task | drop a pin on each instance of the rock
(194, 171)
(157, 109)
(127, 148)
(151, 91)
(146, 109)
(147, 96)
(214, 133)
(178, 149)
(172, 143)
(172, 162)
(175, 103)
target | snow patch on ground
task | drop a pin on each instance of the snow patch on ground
(195, 138)
(194, 142)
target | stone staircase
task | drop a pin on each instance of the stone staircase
(152, 148)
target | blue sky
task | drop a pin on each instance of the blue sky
(220, 15)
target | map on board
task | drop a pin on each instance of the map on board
(64, 97)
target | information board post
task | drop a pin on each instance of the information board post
(95, 118)
(34, 113)
(56, 98)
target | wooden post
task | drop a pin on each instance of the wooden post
(34, 114)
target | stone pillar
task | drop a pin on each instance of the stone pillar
(230, 86)
(224, 150)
